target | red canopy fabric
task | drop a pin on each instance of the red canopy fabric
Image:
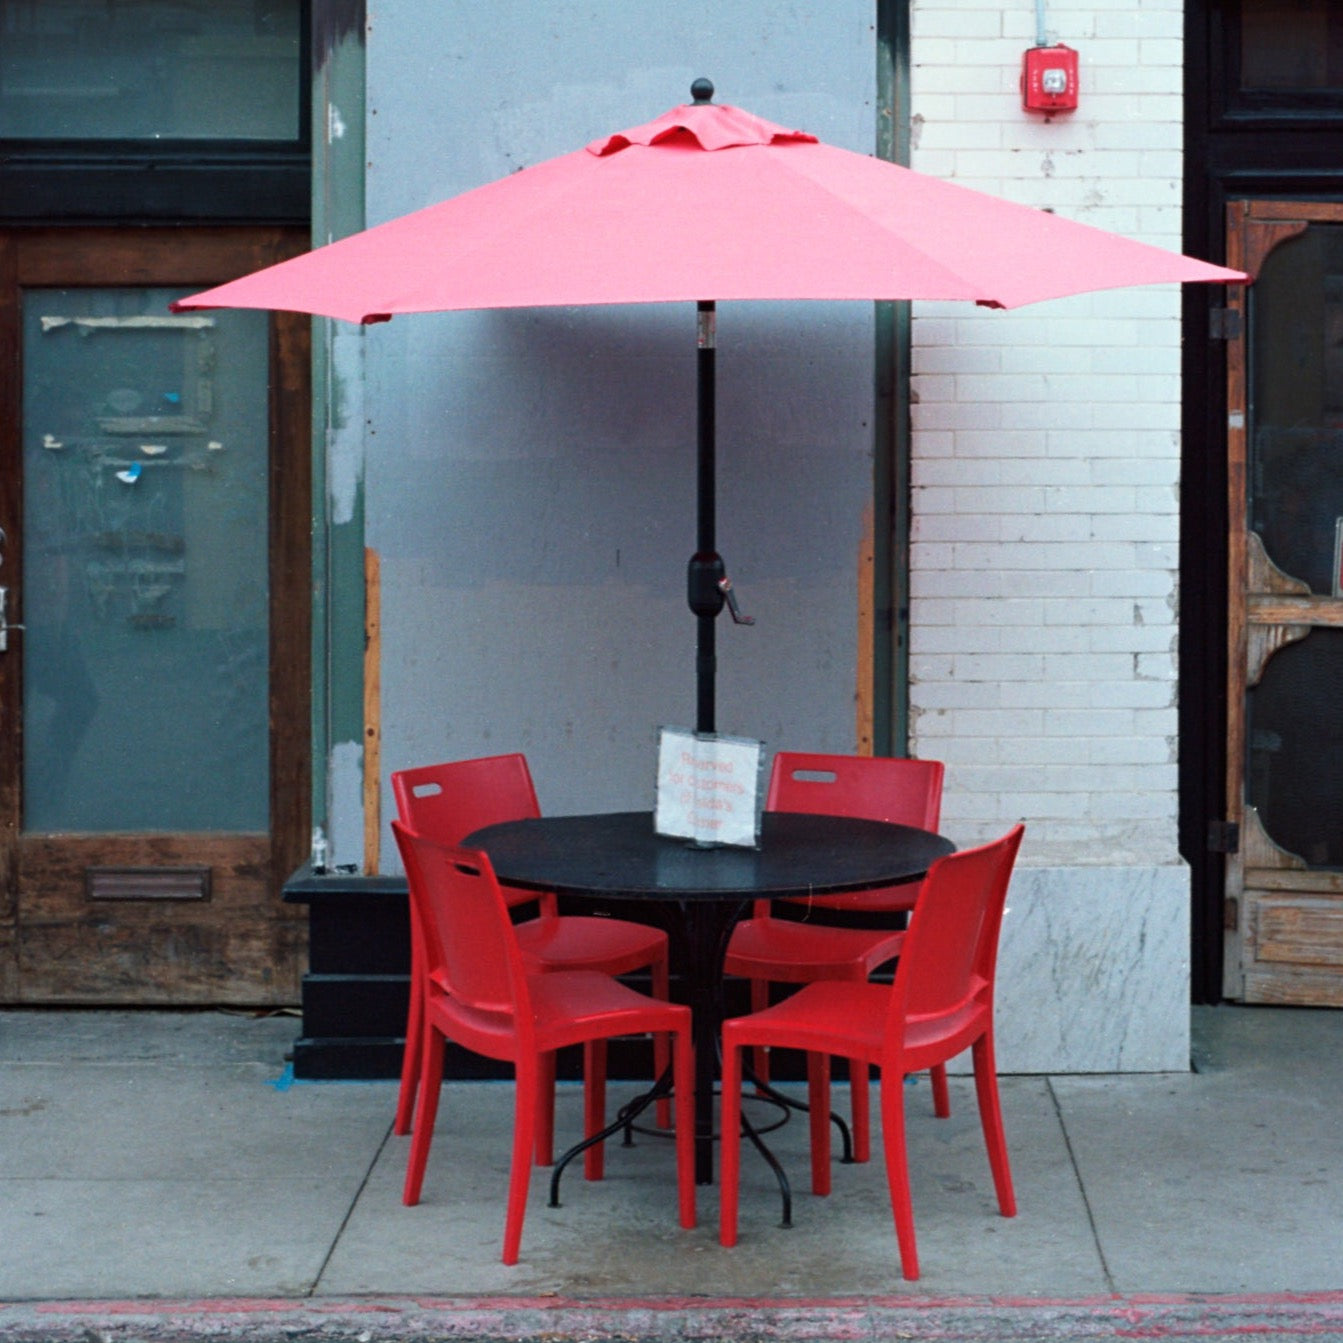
(707, 203)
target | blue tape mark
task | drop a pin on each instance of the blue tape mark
(285, 1079)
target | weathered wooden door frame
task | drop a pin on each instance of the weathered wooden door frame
(65, 965)
(1274, 900)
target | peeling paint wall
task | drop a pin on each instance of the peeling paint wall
(345, 792)
(345, 429)
(530, 474)
(338, 386)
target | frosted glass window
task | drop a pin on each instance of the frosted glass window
(145, 565)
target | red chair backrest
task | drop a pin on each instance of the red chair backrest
(874, 788)
(449, 801)
(470, 948)
(950, 952)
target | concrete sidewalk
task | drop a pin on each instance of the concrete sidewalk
(160, 1176)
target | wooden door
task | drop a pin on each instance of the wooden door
(154, 674)
(1284, 907)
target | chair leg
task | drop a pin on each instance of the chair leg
(661, 987)
(991, 1117)
(861, 1106)
(594, 1106)
(545, 1111)
(730, 1174)
(897, 1170)
(941, 1096)
(426, 1111)
(684, 1074)
(527, 1099)
(760, 1055)
(818, 1117)
(410, 1057)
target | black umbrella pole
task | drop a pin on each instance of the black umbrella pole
(706, 565)
(706, 663)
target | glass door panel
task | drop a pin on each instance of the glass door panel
(1284, 872)
(1296, 379)
(1294, 734)
(1294, 721)
(146, 595)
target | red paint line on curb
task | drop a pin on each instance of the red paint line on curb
(1268, 1317)
(1135, 1306)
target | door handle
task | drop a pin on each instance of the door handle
(5, 626)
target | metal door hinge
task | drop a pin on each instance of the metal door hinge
(1231, 914)
(1224, 323)
(1223, 837)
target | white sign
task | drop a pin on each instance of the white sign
(708, 788)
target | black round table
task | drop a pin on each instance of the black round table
(619, 856)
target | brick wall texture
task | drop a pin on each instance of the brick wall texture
(1046, 449)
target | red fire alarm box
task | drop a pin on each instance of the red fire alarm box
(1049, 79)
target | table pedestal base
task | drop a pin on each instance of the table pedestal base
(705, 927)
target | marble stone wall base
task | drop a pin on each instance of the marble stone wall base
(1093, 971)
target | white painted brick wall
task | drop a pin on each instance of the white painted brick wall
(1046, 449)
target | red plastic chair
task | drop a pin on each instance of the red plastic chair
(449, 801)
(481, 995)
(940, 1003)
(766, 950)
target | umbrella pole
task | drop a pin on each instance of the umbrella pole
(706, 566)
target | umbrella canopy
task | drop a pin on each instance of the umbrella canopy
(707, 202)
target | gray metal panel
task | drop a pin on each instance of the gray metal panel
(530, 475)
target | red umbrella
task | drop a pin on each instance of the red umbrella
(707, 202)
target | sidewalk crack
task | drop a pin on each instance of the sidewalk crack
(349, 1212)
(1081, 1186)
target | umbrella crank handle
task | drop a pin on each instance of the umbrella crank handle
(708, 587)
(725, 587)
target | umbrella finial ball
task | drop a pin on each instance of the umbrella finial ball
(702, 90)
